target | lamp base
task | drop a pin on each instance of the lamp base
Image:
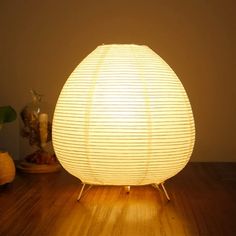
(127, 189)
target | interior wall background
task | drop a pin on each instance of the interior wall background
(41, 42)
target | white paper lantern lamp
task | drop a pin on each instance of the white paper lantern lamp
(123, 118)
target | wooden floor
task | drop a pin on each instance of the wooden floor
(203, 202)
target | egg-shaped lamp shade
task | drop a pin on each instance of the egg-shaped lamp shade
(123, 118)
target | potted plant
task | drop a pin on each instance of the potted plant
(7, 167)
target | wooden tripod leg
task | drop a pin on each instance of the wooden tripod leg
(164, 189)
(81, 191)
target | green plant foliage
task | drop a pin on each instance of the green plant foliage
(7, 114)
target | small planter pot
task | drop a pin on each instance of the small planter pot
(7, 168)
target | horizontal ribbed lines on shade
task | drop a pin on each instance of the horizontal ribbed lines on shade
(168, 106)
(110, 166)
(110, 170)
(142, 122)
(165, 158)
(123, 117)
(123, 153)
(135, 138)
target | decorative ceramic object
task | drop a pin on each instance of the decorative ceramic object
(7, 170)
(36, 126)
(37, 129)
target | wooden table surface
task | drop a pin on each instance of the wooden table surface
(203, 202)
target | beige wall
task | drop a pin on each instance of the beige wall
(41, 42)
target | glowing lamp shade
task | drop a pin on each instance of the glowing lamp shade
(123, 118)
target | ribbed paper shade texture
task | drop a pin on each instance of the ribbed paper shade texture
(123, 118)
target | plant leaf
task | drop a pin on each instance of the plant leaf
(7, 114)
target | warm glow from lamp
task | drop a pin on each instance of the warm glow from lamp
(123, 118)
